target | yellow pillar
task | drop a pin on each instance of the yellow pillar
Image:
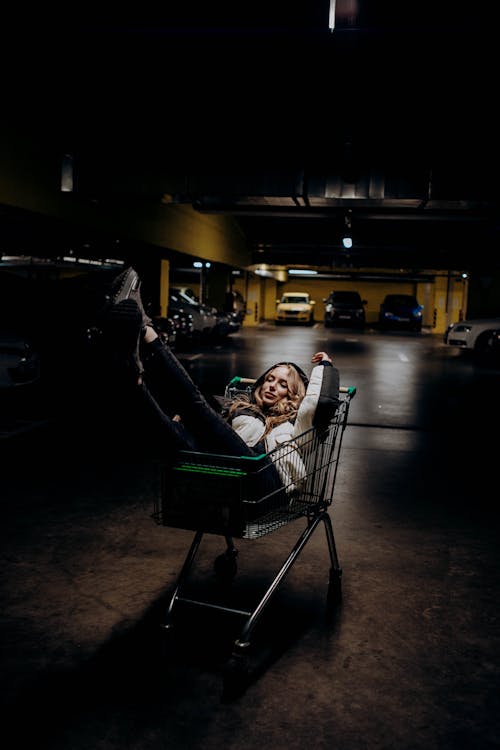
(164, 285)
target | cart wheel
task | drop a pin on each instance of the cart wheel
(334, 595)
(225, 566)
(236, 676)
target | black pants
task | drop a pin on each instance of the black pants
(167, 389)
(138, 419)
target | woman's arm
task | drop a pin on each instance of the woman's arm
(322, 396)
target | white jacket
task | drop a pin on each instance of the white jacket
(286, 455)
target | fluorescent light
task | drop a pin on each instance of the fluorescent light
(302, 272)
(331, 15)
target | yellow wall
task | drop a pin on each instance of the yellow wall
(443, 301)
(254, 301)
(270, 297)
(372, 291)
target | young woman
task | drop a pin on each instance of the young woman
(281, 406)
(283, 402)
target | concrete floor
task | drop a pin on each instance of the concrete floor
(408, 661)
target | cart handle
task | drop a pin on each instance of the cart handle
(350, 389)
(237, 380)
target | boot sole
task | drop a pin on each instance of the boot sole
(130, 284)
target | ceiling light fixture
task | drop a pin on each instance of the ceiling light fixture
(331, 15)
(347, 239)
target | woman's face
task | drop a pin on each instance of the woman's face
(275, 386)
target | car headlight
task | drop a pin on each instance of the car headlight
(460, 328)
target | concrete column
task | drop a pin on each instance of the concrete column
(164, 286)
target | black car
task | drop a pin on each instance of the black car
(20, 375)
(401, 311)
(183, 322)
(166, 328)
(236, 306)
(227, 323)
(344, 308)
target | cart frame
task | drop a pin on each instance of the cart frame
(238, 497)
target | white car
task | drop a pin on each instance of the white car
(472, 335)
(295, 307)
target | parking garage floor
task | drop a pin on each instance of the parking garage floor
(410, 658)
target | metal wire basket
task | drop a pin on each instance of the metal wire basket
(247, 497)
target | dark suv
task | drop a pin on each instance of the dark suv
(344, 309)
(401, 311)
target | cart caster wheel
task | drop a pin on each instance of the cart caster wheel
(225, 567)
(236, 677)
(334, 595)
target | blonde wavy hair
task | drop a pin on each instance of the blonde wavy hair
(283, 410)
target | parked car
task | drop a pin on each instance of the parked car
(204, 317)
(401, 311)
(236, 304)
(479, 336)
(491, 353)
(295, 307)
(227, 323)
(183, 320)
(21, 386)
(227, 320)
(344, 308)
(166, 329)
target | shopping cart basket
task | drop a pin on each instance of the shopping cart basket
(239, 497)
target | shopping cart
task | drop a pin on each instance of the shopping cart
(239, 497)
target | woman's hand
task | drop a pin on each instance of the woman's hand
(320, 357)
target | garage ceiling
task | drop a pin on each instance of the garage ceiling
(386, 125)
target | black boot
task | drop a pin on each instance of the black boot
(122, 332)
(127, 285)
